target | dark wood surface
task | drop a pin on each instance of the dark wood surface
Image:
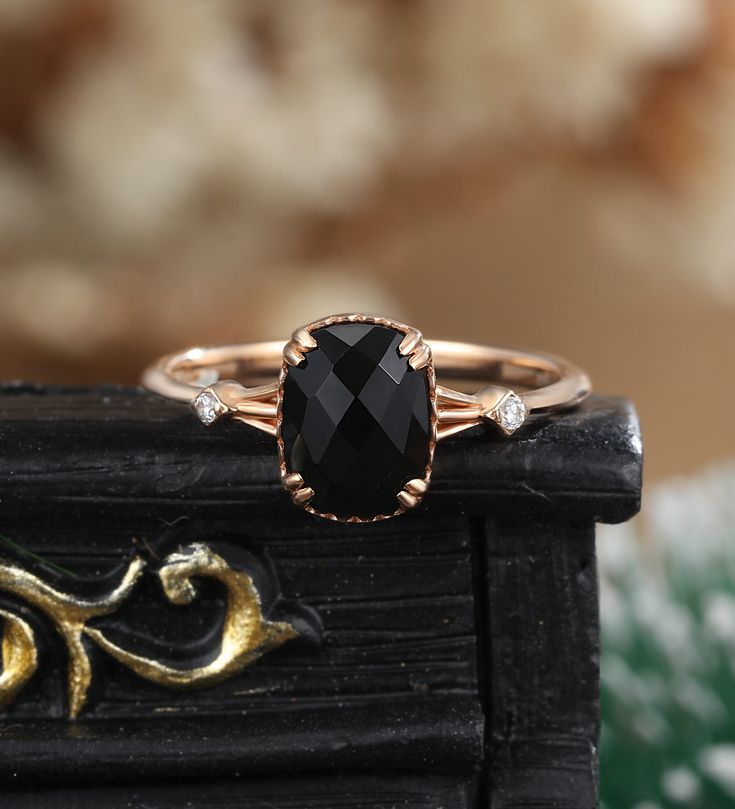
(347, 791)
(85, 451)
(454, 648)
(542, 675)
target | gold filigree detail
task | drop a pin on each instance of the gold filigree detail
(69, 614)
(19, 656)
(246, 634)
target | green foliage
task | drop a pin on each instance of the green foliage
(668, 663)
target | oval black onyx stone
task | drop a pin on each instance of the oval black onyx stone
(356, 420)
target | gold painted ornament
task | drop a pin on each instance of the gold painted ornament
(246, 634)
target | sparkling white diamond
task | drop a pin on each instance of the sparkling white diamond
(511, 412)
(206, 407)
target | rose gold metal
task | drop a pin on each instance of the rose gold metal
(413, 492)
(303, 495)
(293, 481)
(303, 340)
(292, 354)
(417, 487)
(449, 396)
(554, 382)
(253, 406)
(407, 500)
(410, 342)
(491, 397)
(420, 357)
(453, 415)
(543, 382)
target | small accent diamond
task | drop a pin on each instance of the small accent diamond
(511, 413)
(205, 406)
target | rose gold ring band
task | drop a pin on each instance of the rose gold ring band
(354, 405)
(245, 379)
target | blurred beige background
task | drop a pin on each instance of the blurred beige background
(555, 175)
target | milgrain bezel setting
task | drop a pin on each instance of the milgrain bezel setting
(419, 357)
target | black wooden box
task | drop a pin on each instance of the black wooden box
(446, 658)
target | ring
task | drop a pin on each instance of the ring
(355, 408)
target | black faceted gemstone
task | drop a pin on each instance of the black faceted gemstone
(356, 420)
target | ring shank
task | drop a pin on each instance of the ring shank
(547, 382)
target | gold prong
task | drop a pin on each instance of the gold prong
(292, 354)
(420, 357)
(293, 481)
(303, 340)
(417, 487)
(407, 500)
(410, 342)
(303, 495)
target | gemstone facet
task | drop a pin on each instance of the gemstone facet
(356, 420)
(206, 406)
(511, 413)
